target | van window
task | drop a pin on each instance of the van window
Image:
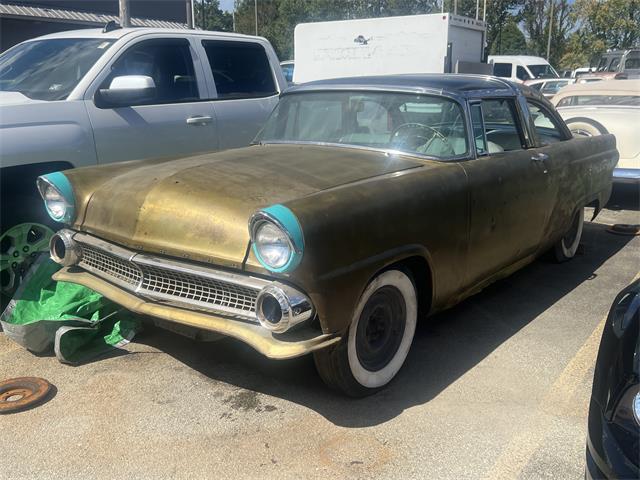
(521, 73)
(240, 69)
(613, 66)
(502, 69)
(542, 71)
(167, 61)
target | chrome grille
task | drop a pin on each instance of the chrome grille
(168, 281)
(198, 289)
(110, 266)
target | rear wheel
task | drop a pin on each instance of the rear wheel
(585, 127)
(378, 340)
(566, 248)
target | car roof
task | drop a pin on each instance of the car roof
(461, 85)
(613, 87)
(135, 31)
(527, 59)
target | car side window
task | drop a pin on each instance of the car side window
(168, 62)
(501, 125)
(502, 69)
(613, 66)
(240, 69)
(521, 73)
(479, 133)
(545, 124)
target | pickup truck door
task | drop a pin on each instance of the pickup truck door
(177, 122)
(509, 190)
(245, 86)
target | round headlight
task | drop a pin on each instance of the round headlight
(58, 197)
(273, 245)
(55, 203)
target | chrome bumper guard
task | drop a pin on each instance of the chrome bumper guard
(176, 283)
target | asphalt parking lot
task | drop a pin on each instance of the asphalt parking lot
(497, 387)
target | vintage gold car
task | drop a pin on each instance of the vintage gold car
(365, 205)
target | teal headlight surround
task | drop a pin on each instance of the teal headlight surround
(60, 182)
(286, 220)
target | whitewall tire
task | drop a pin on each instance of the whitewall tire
(378, 340)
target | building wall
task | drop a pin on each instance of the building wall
(14, 30)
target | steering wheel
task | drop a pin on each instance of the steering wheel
(426, 140)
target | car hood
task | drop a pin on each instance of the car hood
(14, 98)
(199, 207)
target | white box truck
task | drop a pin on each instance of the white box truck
(434, 43)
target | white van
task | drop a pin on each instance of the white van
(519, 68)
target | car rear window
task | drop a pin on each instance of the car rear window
(240, 69)
(600, 100)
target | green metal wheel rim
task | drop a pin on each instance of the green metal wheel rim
(19, 246)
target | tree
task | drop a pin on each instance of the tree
(510, 40)
(214, 18)
(535, 17)
(601, 25)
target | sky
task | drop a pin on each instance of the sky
(226, 5)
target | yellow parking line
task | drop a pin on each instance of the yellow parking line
(558, 400)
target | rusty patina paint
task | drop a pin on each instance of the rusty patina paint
(469, 222)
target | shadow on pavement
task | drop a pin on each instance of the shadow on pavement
(625, 197)
(445, 347)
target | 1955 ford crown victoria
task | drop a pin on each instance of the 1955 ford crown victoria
(365, 205)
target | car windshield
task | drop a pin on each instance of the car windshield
(543, 71)
(428, 125)
(49, 69)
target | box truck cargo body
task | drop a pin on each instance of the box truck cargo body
(435, 43)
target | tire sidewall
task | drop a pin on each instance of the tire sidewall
(569, 251)
(374, 380)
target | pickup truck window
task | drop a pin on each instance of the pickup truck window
(545, 124)
(240, 69)
(49, 69)
(167, 61)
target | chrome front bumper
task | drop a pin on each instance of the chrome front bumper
(190, 294)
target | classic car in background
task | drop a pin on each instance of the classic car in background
(613, 442)
(366, 204)
(549, 87)
(606, 107)
(98, 96)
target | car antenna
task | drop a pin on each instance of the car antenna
(111, 26)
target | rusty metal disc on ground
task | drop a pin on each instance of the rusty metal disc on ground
(17, 394)
(624, 229)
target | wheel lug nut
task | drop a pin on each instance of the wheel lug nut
(25, 249)
(16, 253)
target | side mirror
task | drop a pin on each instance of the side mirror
(125, 91)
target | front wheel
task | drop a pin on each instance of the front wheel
(566, 248)
(378, 340)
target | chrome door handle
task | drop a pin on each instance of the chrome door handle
(199, 120)
(540, 157)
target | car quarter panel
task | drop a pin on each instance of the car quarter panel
(353, 232)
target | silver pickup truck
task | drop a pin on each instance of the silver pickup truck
(97, 96)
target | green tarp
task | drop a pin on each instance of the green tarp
(77, 322)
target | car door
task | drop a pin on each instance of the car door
(563, 165)
(509, 193)
(246, 90)
(176, 122)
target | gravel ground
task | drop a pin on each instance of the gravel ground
(497, 387)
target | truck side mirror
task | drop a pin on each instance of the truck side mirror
(125, 91)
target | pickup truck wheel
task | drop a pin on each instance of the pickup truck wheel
(378, 340)
(567, 246)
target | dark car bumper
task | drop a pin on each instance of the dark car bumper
(604, 458)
